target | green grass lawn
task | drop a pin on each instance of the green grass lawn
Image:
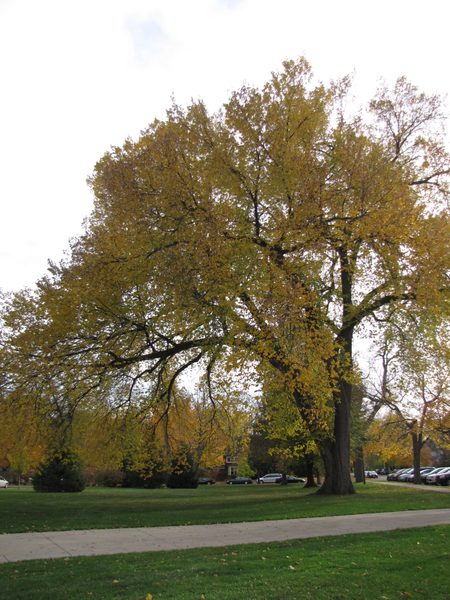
(394, 565)
(25, 510)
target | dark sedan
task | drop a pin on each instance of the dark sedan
(240, 481)
(205, 481)
(290, 479)
(443, 477)
(395, 475)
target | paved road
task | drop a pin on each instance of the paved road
(27, 546)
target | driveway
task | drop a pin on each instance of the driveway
(424, 488)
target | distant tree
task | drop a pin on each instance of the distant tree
(388, 441)
(260, 459)
(415, 360)
(268, 454)
(23, 442)
(364, 411)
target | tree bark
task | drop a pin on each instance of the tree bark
(310, 473)
(336, 453)
(417, 449)
(359, 465)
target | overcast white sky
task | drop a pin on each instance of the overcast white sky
(79, 76)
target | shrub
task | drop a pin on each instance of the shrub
(61, 473)
(132, 479)
(109, 478)
(156, 480)
(184, 472)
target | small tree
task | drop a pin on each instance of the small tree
(62, 473)
(184, 471)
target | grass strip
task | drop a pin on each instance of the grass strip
(391, 565)
(99, 508)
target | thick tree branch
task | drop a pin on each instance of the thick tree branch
(177, 348)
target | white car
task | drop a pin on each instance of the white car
(371, 474)
(270, 478)
(3, 483)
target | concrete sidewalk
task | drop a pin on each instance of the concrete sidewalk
(28, 546)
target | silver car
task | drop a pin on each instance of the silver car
(270, 478)
(3, 483)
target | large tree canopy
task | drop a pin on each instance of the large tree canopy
(262, 235)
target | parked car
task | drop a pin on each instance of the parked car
(270, 478)
(290, 479)
(444, 478)
(205, 481)
(432, 479)
(435, 471)
(405, 474)
(423, 471)
(442, 475)
(240, 481)
(371, 474)
(393, 476)
(3, 483)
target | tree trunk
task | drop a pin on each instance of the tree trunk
(359, 465)
(310, 473)
(318, 476)
(336, 453)
(417, 449)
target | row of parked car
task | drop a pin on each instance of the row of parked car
(429, 475)
(269, 478)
